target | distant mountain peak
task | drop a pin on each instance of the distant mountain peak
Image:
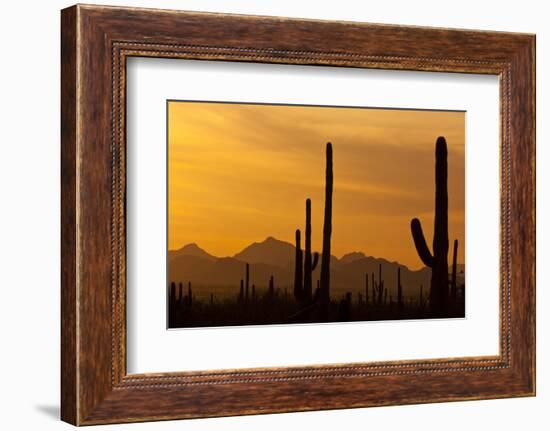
(270, 251)
(191, 249)
(191, 246)
(350, 257)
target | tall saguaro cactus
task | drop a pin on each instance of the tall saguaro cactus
(310, 262)
(439, 289)
(298, 290)
(327, 231)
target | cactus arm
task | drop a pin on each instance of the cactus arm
(315, 261)
(420, 243)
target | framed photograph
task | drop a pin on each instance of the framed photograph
(264, 214)
(257, 186)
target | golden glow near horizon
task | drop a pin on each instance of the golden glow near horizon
(239, 173)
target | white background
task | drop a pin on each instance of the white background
(151, 348)
(29, 216)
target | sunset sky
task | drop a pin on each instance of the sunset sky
(238, 173)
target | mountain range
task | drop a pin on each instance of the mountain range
(276, 257)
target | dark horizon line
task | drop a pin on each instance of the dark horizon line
(307, 105)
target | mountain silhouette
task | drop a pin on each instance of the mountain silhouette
(271, 251)
(191, 250)
(276, 257)
(350, 257)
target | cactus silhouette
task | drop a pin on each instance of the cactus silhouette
(310, 262)
(367, 288)
(438, 260)
(298, 277)
(317, 292)
(241, 291)
(172, 304)
(271, 288)
(378, 288)
(373, 289)
(327, 231)
(453, 276)
(181, 300)
(172, 294)
(399, 290)
(189, 294)
(344, 308)
(247, 282)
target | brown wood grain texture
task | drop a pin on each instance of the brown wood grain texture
(95, 43)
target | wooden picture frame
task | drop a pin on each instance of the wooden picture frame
(95, 43)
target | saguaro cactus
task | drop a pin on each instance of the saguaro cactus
(438, 260)
(380, 284)
(241, 291)
(172, 304)
(399, 290)
(271, 288)
(327, 231)
(453, 276)
(172, 294)
(247, 282)
(181, 297)
(373, 289)
(298, 290)
(344, 308)
(309, 262)
(317, 291)
(367, 288)
(189, 294)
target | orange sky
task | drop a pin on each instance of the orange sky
(239, 173)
